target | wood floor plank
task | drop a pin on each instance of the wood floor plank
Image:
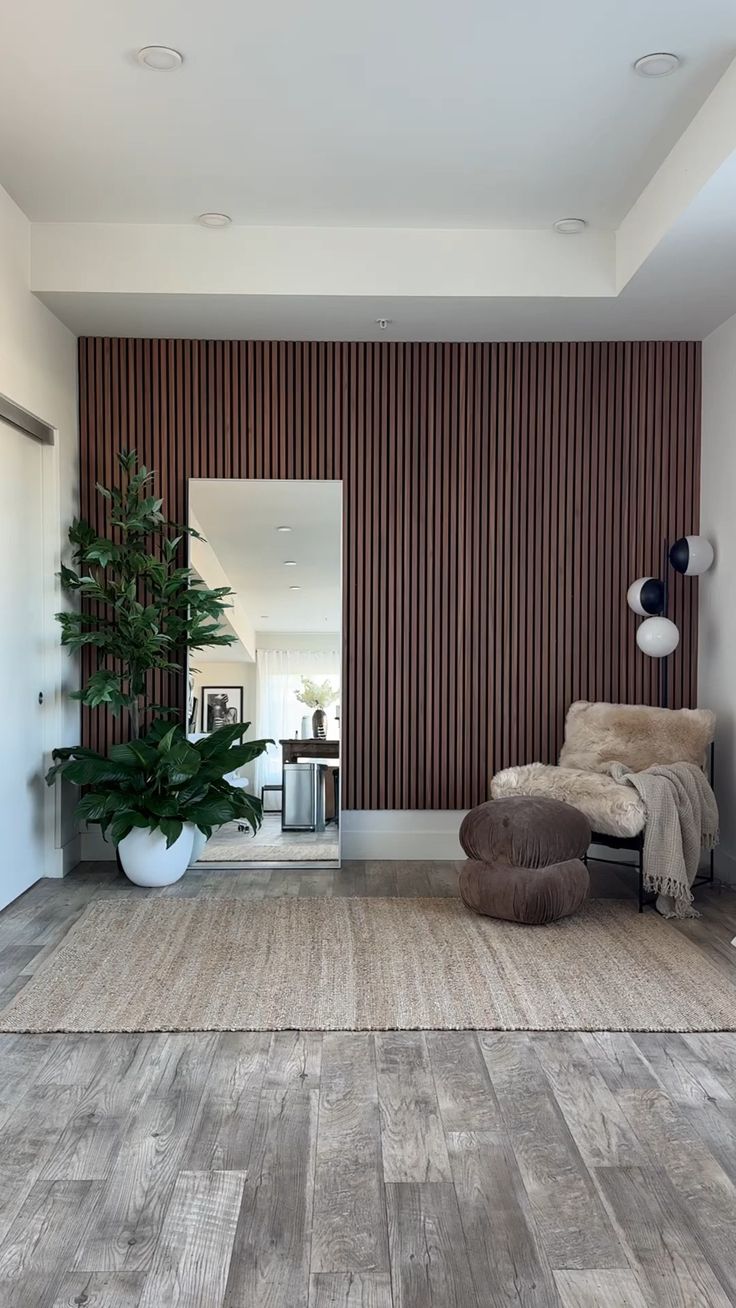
(600, 1289)
(349, 1221)
(686, 1078)
(92, 1136)
(29, 1137)
(658, 1236)
(223, 1133)
(706, 1193)
(270, 1263)
(192, 1255)
(598, 1125)
(125, 1225)
(45, 1234)
(412, 1138)
(618, 1060)
(573, 1224)
(350, 1290)
(506, 1257)
(21, 1059)
(99, 1290)
(429, 1259)
(462, 1084)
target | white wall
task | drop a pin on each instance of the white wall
(38, 370)
(717, 651)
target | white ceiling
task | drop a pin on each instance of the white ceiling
(239, 520)
(456, 113)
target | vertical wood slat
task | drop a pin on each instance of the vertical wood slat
(498, 500)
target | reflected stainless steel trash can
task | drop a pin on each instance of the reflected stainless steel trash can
(304, 797)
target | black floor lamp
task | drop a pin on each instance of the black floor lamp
(658, 636)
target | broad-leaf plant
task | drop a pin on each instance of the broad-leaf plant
(163, 780)
(140, 610)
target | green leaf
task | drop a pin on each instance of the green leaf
(135, 753)
(172, 829)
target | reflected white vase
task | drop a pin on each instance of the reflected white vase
(198, 844)
(306, 728)
(146, 860)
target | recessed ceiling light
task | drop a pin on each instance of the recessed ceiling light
(295, 588)
(570, 226)
(264, 615)
(289, 563)
(660, 64)
(283, 528)
(161, 58)
(214, 219)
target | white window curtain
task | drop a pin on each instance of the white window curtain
(278, 712)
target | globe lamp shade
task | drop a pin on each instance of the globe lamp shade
(691, 555)
(646, 596)
(657, 637)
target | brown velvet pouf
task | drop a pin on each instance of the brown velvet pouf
(525, 859)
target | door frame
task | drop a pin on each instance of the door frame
(61, 842)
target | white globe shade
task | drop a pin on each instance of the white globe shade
(701, 555)
(657, 637)
(691, 555)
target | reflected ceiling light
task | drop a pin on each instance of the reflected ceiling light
(214, 220)
(265, 615)
(295, 588)
(161, 58)
(289, 563)
(570, 226)
(660, 64)
(283, 528)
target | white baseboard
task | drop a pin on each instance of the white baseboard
(402, 834)
(405, 835)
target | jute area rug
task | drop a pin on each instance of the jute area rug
(143, 964)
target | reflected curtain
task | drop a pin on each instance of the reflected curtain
(278, 711)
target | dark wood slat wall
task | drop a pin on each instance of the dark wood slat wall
(498, 500)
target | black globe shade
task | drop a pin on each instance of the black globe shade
(646, 596)
(680, 555)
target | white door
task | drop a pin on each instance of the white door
(21, 663)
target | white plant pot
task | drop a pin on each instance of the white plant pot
(198, 844)
(146, 860)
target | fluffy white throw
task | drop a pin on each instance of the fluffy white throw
(682, 819)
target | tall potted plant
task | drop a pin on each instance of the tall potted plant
(139, 611)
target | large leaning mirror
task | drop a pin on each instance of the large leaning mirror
(278, 546)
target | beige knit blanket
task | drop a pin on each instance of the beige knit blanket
(682, 819)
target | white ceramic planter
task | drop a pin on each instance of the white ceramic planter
(146, 860)
(198, 844)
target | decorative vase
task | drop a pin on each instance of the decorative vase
(146, 860)
(198, 843)
(319, 724)
(306, 727)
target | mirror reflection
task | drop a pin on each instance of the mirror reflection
(277, 545)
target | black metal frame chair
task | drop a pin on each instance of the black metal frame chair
(636, 843)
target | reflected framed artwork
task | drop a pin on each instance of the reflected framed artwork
(222, 706)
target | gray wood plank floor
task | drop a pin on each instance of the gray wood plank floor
(350, 1170)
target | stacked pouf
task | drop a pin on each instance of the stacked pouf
(525, 859)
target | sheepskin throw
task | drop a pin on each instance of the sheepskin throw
(610, 808)
(682, 818)
(597, 735)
